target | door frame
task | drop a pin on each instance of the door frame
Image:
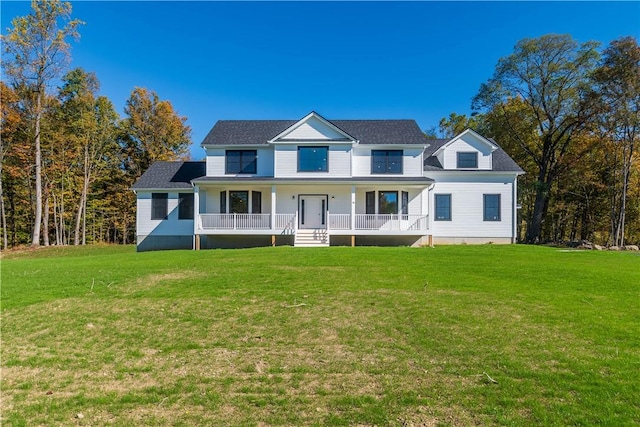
(324, 214)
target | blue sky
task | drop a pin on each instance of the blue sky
(345, 60)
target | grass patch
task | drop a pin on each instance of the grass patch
(464, 335)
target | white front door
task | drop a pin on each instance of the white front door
(313, 211)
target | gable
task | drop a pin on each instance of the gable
(313, 127)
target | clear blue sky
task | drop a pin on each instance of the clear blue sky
(345, 60)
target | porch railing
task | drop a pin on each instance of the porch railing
(390, 222)
(235, 221)
(287, 222)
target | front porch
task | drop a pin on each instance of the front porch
(234, 223)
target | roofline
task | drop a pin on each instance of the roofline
(307, 117)
(493, 146)
(312, 181)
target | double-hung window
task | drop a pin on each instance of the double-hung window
(467, 160)
(443, 207)
(313, 159)
(241, 161)
(185, 206)
(159, 205)
(386, 161)
(492, 207)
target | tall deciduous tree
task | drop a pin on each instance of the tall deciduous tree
(617, 90)
(38, 51)
(549, 74)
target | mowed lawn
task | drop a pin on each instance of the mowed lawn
(460, 335)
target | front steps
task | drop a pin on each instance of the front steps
(311, 237)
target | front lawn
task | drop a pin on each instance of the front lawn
(454, 335)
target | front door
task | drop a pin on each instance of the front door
(313, 211)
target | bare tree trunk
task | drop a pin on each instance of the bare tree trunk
(83, 199)
(5, 240)
(45, 220)
(35, 238)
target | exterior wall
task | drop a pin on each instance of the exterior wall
(411, 161)
(286, 162)
(449, 158)
(467, 208)
(313, 129)
(172, 226)
(216, 162)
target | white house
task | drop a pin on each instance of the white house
(319, 182)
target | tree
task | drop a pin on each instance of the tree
(617, 92)
(455, 124)
(38, 52)
(550, 75)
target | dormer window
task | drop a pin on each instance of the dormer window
(467, 160)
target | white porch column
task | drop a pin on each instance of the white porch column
(353, 207)
(273, 206)
(196, 214)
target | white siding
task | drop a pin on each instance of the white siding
(216, 163)
(411, 161)
(313, 129)
(467, 207)
(171, 226)
(450, 156)
(286, 162)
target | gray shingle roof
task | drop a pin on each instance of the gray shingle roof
(170, 175)
(501, 160)
(240, 132)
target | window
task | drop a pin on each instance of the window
(241, 161)
(387, 202)
(159, 205)
(443, 207)
(238, 202)
(185, 206)
(492, 207)
(313, 159)
(467, 160)
(386, 161)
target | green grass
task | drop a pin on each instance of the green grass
(464, 335)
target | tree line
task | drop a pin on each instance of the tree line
(568, 113)
(67, 158)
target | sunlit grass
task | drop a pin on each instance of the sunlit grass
(511, 335)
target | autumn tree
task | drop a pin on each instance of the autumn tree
(37, 51)
(617, 92)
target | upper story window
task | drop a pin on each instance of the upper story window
(313, 159)
(159, 205)
(386, 161)
(467, 160)
(241, 161)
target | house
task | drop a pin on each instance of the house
(319, 182)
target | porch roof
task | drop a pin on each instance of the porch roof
(311, 181)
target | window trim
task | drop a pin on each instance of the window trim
(243, 164)
(386, 157)
(189, 214)
(159, 201)
(326, 160)
(435, 207)
(458, 153)
(484, 208)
